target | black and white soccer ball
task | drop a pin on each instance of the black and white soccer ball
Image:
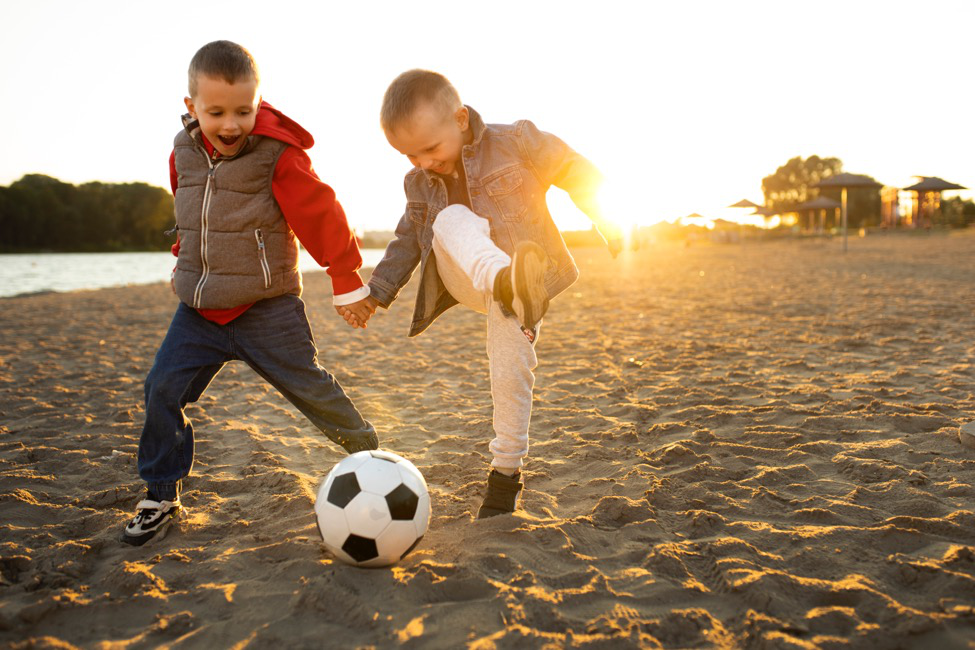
(373, 508)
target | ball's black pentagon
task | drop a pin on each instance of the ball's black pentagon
(402, 503)
(412, 546)
(344, 488)
(383, 455)
(360, 548)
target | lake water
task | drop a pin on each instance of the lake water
(36, 272)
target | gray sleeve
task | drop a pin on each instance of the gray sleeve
(398, 263)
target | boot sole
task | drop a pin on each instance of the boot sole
(528, 268)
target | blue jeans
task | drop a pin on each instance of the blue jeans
(274, 338)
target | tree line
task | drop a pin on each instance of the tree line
(41, 213)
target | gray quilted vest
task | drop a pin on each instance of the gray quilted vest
(235, 246)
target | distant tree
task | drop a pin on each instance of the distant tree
(38, 212)
(957, 212)
(794, 183)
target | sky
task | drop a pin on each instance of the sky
(685, 106)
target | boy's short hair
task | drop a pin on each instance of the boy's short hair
(413, 88)
(222, 60)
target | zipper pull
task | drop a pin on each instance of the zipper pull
(213, 178)
(171, 230)
(260, 238)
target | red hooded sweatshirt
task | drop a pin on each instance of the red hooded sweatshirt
(309, 206)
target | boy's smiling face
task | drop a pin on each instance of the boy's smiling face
(226, 111)
(432, 140)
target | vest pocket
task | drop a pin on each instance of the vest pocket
(262, 255)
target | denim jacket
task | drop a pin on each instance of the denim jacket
(509, 169)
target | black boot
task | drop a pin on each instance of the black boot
(502, 494)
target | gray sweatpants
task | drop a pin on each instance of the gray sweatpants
(468, 262)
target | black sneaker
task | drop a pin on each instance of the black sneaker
(502, 494)
(363, 443)
(521, 286)
(152, 520)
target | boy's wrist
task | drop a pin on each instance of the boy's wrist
(352, 296)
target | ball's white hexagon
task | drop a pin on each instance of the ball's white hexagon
(422, 518)
(388, 455)
(367, 515)
(332, 523)
(409, 469)
(395, 540)
(378, 476)
(352, 462)
(411, 478)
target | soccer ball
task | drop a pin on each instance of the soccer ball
(373, 508)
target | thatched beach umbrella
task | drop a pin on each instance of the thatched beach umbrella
(744, 203)
(821, 203)
(846, 181)
(931, 188)
(765, 213)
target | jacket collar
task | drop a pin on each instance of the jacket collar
(477, 125)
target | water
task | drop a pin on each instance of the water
(36, 272)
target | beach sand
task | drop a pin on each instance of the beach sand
(749, 445)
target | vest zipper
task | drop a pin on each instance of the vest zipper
(262, 252)
(204, 231)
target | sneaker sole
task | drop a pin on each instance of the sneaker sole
(528, 268)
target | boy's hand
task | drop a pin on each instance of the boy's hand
(357, 314)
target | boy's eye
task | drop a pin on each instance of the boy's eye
(216, 113)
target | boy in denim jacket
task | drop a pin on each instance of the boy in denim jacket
(477, 223)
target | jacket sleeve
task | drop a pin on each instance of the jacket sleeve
(399, 261)
(555, 163)
(317, 219)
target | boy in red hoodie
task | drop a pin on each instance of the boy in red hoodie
(245, 194)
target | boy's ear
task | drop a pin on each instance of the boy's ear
(189, 106)
(463, 118)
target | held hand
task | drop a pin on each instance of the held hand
(347, 315)
(357, 314)
(615, 247)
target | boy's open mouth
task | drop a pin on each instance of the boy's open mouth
(229, 140)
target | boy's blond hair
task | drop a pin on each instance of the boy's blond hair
(222, 60)
(412, 89)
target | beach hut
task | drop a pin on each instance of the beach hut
(845, 182)
(927, 199)
(820, 204)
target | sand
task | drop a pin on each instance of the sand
(750, 446)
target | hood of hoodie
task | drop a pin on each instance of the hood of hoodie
(270, 123)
